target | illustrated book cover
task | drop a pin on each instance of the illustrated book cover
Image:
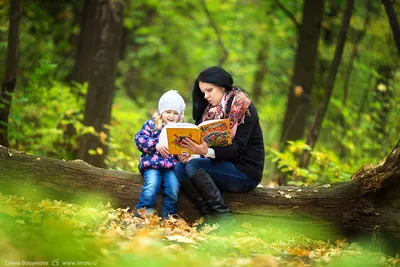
(215, 133)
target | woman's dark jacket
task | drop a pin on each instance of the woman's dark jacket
(247, 149)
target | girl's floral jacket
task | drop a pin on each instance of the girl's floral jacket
(146, 140)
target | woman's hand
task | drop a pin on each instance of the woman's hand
(163, 150)
(185, 157)
(201, 149)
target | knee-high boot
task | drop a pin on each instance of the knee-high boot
(196, 198)
(211, 194)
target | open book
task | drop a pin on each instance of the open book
(215, 133)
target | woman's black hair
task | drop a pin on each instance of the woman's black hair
(214, 75)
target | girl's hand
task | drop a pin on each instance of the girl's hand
(185, 157)
(163, 150)
(201, 149)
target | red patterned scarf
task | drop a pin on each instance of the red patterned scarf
(239, 107)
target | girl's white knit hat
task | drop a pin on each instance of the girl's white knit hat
(171, 100)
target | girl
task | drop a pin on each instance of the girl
(156, 164)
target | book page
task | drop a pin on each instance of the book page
(181, 125)
(210, 122)
(163, 139)
(176, 135)
(216, 133)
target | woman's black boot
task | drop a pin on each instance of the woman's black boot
(196, 198)
(211, 194)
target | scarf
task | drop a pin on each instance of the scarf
(238, 109)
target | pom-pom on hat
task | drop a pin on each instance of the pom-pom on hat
(171, 100)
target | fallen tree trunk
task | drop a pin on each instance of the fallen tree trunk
(369, 202)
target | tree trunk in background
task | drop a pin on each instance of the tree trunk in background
(354, 52)
(261, 71)
(84, 51)
(105, 38)
(364, 99)
(70, 141)
(319, 116)
(383, 96)
(394, 23)
(328, 31)
(299, 92)
(368, 203)
(10, 75)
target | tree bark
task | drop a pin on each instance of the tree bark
(261, 71)
(369, 202)
(83, 57)
(289, 14)
(319, 116)
(394, 23)
(299, 93)
(329, 31)
(105, 38)
(300, 90)
(347, 76)
(354, 51)
(10, 76)
(383, 95)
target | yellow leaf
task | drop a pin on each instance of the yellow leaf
(298, 90)
(381, 87)
(103, 136)
(107, 126)
(99, 151)
(298, 252)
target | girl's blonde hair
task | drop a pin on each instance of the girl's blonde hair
(159, 122)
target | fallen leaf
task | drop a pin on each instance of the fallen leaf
(180, 239)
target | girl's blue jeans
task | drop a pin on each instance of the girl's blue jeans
(153, 180)
(224, 174)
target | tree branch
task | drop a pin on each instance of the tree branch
(394, 23)
(225, 53)
(288, 13)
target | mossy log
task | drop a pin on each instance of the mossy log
(368, 202)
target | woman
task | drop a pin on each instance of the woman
(234, 168)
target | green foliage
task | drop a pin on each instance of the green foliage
(127, 119)
(325, 167)
(40, 116)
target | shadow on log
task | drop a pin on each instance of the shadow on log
(368, 203)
